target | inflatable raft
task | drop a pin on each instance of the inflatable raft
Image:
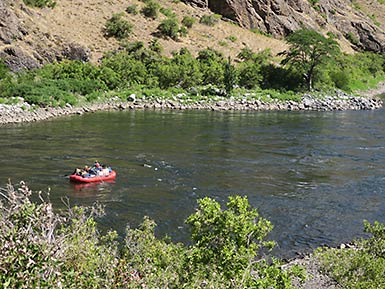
(93, 179)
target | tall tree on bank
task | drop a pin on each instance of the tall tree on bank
(308, 50)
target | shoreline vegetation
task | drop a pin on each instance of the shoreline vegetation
(229, 249)
(139, 76)
(22, 111)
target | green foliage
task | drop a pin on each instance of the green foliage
(129, 70)
(226, 244)
(188, 21)
(375, 245)
(156, 46)
(181, 71)
(212, 65)
(229, 77)
(232, 38)
(150, 262)
(5, 78)
(4, 71)
(358, 71)
(169, 28)
(41, 248)
(167, 12)
(315, 4)
(250, 70)
(40, 3)
(229, 239)
(132, 9)
(308, 50)
(210, 20)
(118, 27)
(352, 39)
(151, 9)
(362, 266)
(60, 83)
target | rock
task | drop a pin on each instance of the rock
(21, 52)
(74, 51)
(17, 60)
(131, 97)
(279, 18)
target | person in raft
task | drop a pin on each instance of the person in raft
(86, 172)
(96, 170)
(105, 171)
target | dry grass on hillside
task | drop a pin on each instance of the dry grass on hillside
(83, 22)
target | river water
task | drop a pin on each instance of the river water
(315, 175)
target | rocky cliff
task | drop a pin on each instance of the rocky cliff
(23, 46)
(280, 17)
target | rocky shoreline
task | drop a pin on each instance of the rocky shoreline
(23, 112)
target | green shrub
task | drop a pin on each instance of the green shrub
(232, 38)
(341, 79)
(58, 249)
(156, 46)
(188, 21)
(129, 71)
(132, 9)
(169, 28)
(118, 27)
(151, 9)
(226, 243)
(40, 3)
(210, 20)
(229, 77)
(181, 71)
(167, 12)
(212, 65)
(362, 266)
(183, 31)
(352, 38)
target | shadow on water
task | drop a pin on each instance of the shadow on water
(315, 175)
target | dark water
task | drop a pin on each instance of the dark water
(315, 175)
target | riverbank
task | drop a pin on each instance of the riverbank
(23, 112)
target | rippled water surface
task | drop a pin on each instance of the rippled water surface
(315, 175)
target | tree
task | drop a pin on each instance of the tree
(230, 76)
(308, 50)
(228, 239)
(212, 66)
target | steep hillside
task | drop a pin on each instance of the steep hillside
(74, 29)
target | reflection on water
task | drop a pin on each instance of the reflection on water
(315, 175)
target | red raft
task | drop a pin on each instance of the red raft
(93, 179)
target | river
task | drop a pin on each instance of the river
(315, 175)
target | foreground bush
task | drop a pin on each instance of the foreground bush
(42, 248)
(362, 265)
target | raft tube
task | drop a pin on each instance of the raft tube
(93, 179)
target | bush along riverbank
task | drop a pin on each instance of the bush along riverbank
(42, 247)
(22, 111)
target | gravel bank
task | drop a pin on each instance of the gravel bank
(23, 112)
